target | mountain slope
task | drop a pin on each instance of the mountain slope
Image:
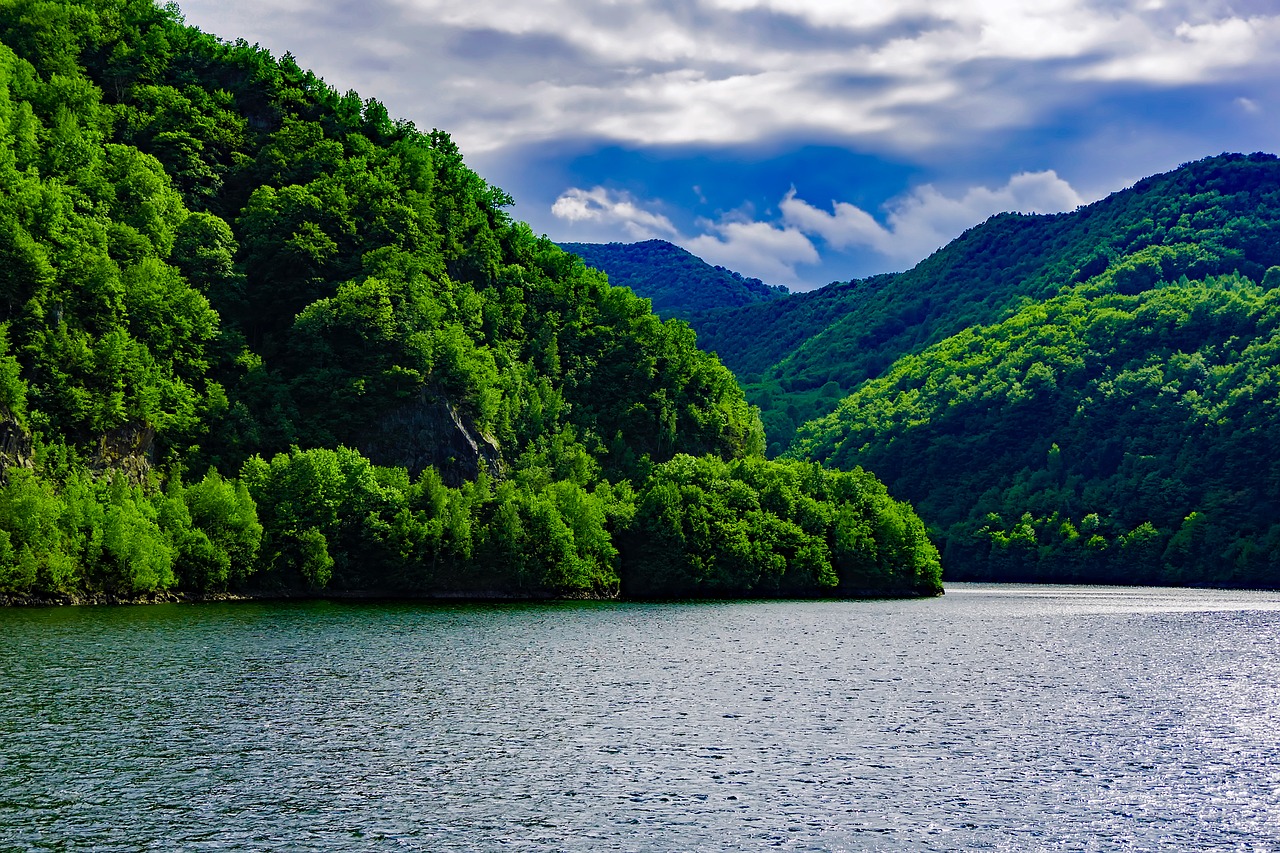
(1101, 436)
(753, 338)
(676, 282)
(1224, 211)
(1219, 215)
(215, 263)
(778, 327)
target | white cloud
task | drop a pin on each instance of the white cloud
(847, 225)
(601, 206)
(905, 75)
(926, 219)
(760, 249)
(914, 225)
(1192, 52)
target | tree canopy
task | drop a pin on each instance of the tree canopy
(1098, 436)
(799, 355)
(257, 335)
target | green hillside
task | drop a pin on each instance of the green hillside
(678, 283)
(1221, 215)
(1121, 431)
(779, 327)
(258, 336)
(751, 340)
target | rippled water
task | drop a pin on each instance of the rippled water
(996, 718)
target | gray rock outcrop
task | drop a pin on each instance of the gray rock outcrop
(432, 432)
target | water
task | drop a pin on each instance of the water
(996, 718)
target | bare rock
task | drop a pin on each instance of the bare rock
(15, 446)
(127, 449)
(431, 432)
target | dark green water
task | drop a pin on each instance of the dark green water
(996, 718)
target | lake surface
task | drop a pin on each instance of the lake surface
(995, 718)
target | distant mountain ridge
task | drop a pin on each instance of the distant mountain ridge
(1107, 411)
(677, 282)
(1084, 397)
(798, 355)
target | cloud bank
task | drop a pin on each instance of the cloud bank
(911, 226)
(909, 74)
(606, 207)
(924, 220)
(950, 97)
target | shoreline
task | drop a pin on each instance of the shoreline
(388, 596)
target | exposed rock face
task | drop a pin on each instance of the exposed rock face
(15, 446)
(431, 432)
(127, 449)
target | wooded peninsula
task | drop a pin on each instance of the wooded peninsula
(258, 337)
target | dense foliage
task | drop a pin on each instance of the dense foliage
(70, 532)
(211, 261)
(1220, 215)
(679, 284)
(1102, 435)
(704, 527)
(755, 338)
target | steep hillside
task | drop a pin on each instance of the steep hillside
(215, 263)
(676, 282)
(1121, 431)
(1220, 215)
(754, 338)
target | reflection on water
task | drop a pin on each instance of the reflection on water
(1117, 599)
(997, 718)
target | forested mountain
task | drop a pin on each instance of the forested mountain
(678, 283)
(752, 339)
(779, 327)
(1098, 436)
(1217, 216)
(256, 335)
(1122, 429)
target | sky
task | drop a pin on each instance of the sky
(797, 141)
